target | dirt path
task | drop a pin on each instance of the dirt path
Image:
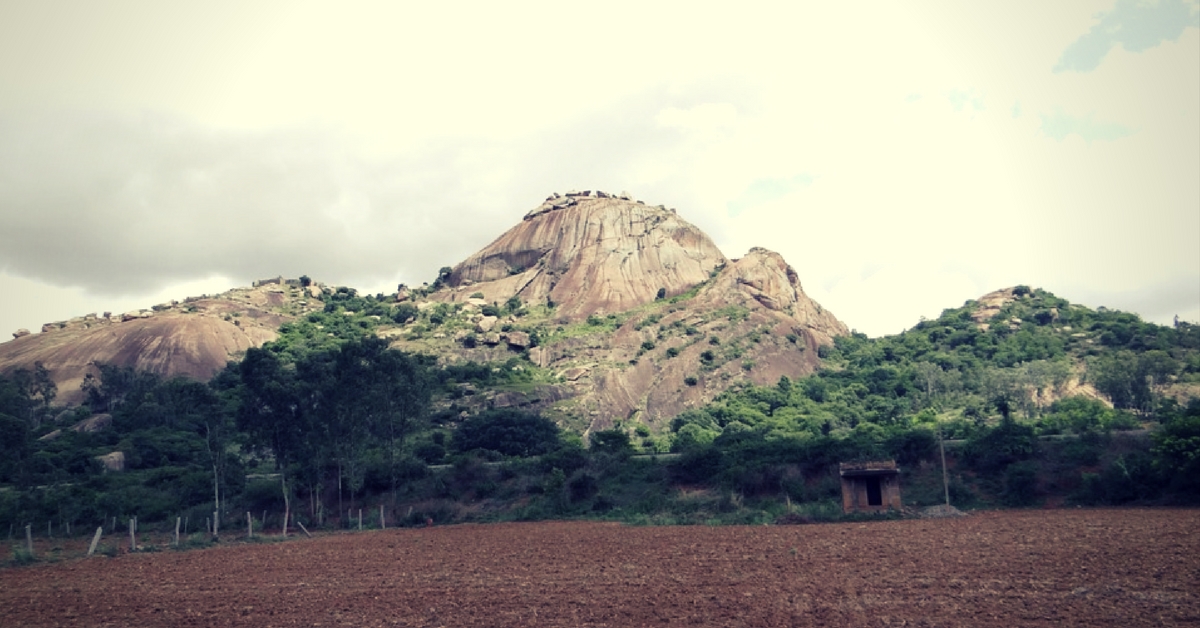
(1022, 568)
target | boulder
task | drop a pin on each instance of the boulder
(574, 373)
(114, 461)
(486, 324)
(20, 333)
(94, 423)
(517, 339)
(48, 327)
(492, 339)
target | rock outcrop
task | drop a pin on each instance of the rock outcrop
(689, 322)
(588, 255)
(194, 339)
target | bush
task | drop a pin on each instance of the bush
(507, 431)
(995, 449)
(611, 442)
(1020, 484)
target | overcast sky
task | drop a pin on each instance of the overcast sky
(903, 157)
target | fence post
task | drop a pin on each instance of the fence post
(133, 534)
(215, 524)
(382, 523)
(177, 531)
(360, 519)
(29, 538)
(249, 525)
(95, 541)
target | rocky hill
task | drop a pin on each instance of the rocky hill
(637, 314)
(622, 311)
(193, 338)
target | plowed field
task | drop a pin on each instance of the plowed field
(1021, 568)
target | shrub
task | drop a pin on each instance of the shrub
(507, 431)
(611, 441)
(691, 380)
(995, 449)
(1020, 484)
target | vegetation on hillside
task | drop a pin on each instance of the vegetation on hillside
(327, 418)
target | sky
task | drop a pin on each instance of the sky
(902, 157)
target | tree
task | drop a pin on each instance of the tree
(270, 413)
(38, 389)
(507, 431)
(611, 441)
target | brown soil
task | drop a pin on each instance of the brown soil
(1017, 568)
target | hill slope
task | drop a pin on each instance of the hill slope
(195, 338)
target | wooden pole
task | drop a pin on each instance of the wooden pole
(133, 534)
(216, 525)
(382, 523)
(29, 539)
(177, 519)
(360, 519)
(304, 529)
(285, 522)
(945, 477)
(249, 525)
(95, 540)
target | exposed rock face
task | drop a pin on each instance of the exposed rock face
(765, 277)
(749, 320)
(113, 462)
(990, 304)
(195, 339)
(589, 255)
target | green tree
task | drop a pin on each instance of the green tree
(612, 441)
(507, 431)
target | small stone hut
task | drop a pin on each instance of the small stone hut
(870, 486)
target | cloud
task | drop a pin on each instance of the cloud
(766, 190)
(960, 98)
(123, 205)
(1135, 26)
(1059, 125)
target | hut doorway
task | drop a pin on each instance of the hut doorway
(874, 492)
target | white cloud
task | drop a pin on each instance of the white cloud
(1132, 24)
(1059, 125)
